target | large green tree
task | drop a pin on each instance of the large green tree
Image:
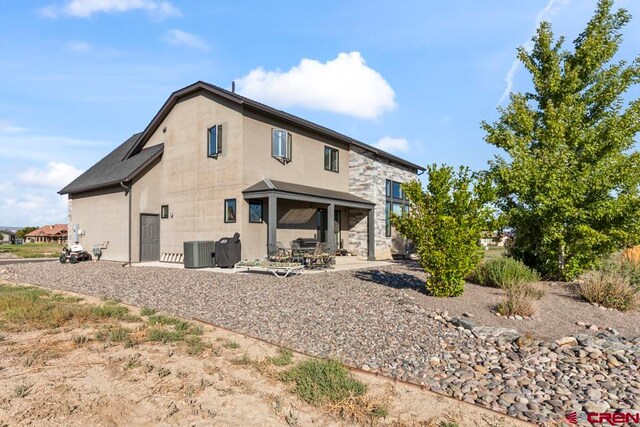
(24, 231)
(445, 222)
(569, 184)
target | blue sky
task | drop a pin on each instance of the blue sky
(80, 76)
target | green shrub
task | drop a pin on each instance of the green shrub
(323, 381)
(503, 273)
(445, 222)
(624, 267)
(609, 289)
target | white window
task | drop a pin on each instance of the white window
(214, 141)
(281, 144)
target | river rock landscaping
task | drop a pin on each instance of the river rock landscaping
(373, 320)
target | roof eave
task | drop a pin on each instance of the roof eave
(116, 182)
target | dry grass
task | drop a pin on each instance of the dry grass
(519, 301)
(609, 289)
(360, 410)
(632, 255)
(31, 308)
(28, 308)
(33, 250)
(284, 357)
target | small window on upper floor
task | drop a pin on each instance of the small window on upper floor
(281, 145)
(214, 141)
(331, 159)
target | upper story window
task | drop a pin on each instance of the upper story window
(214, 141)
(331, 159)
(396, 203)
(281, 145)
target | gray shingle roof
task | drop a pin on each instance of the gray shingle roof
(305, 190)
(112, 169)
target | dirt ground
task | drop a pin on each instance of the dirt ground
(66, 377)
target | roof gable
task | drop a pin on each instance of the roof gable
(49, 230)
(262, 108)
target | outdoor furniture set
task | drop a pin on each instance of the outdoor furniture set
(282, 261)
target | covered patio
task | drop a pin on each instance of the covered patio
(328, 216)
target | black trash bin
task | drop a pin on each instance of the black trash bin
(228, 251)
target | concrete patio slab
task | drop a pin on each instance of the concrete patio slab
(344, 263)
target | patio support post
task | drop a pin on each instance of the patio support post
(371, 236)
(273, 219)
(331, 209)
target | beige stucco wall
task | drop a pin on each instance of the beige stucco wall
(192, 184)
(103, 215)
(146, 193)
(307, 164)
(306, 168)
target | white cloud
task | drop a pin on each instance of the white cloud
(344, 85)
(182, 38)
(8, 127)
(397, 145)
(552, 7)
(87, 8)
(79, 46)
(23, 205)
(55, 174)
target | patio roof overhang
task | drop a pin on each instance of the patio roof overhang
(290, 191)
(274, 190)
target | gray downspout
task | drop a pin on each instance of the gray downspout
(127, 192)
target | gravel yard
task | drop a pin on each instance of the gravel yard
(362, 319)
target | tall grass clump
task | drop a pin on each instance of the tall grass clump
(503, 273)
(609, 289)
(625, 266)
(518, 301)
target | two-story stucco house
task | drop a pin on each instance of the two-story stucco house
(212, 163)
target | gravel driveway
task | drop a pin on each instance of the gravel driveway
(352, 316)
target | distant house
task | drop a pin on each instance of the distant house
(497, 239)
(7, 237)
(56, 233)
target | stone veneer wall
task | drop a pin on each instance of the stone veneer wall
(367, 177)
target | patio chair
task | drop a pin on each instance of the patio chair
(277, 253)
(328, 255)
(296, 252)
(320, 256)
